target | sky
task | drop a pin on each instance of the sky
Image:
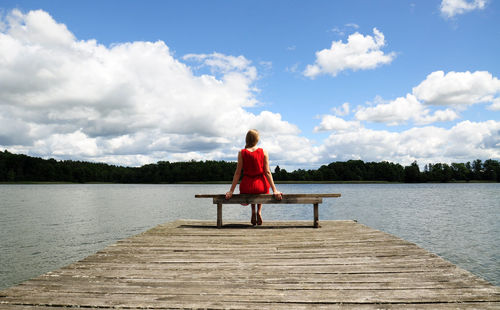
(137, 82)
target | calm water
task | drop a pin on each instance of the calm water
(45, 227)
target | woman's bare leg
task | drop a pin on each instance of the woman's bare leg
(259, 214)
(253, 220)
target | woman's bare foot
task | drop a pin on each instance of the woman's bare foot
(254, 219)
(259, 219)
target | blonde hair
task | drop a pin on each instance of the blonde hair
(252, 138)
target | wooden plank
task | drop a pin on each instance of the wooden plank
(150, 297)
(219, 215)
(288, 306)
(316, 216)
(248, 199)
(268, 198)
(324, 195)
(280, 265)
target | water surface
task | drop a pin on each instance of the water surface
(45, 227)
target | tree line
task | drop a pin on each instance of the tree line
(357, 170)
(24, 168)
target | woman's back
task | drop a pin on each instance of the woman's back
(253, 162)
(254, 180)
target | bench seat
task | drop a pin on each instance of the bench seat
(314, 199)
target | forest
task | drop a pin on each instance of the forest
(24, 168)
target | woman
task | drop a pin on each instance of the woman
(257, 176)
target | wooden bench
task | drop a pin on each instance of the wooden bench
(314, 199)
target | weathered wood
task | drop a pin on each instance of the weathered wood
(286, 306)
(264, 198)
(316, 216)
(314, 199)
(219, 215)
(283, 265)
(267, 200)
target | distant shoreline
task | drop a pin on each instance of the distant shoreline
(33, 170)
(229, 182)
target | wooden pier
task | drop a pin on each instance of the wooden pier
(280, 265)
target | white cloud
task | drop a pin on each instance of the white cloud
(454, 89)
(359, 53)
(343, 110)
(495, 106)
(447, 115)
(458, 88)
(337, 31)
(341, 30)
(65, 145)
(402, 110)
(135, 103)
(334, 123)
(294, 68)
(130, 103)
(463, 142)
(393, 113)
(225, 64)
(13, 130)
(290, 151)
(450, 8)
(37, 27)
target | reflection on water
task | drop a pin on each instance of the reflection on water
(45, 227)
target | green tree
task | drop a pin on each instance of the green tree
(491, 170)
(460, 172)
(412, 173)
(477, 167)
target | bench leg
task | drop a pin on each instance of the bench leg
(316, 216)
(219, 215)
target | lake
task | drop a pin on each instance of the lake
(45, 227)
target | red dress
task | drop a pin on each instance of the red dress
(254, 180)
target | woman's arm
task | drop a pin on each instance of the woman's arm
(278, 195)
(236, 177)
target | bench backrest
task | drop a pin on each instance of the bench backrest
(268, 198)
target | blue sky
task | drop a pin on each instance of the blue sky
(129, 82)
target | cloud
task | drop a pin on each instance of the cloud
(359, 53)
(341, 30)
(13, 130)
(395, 112)
(134, 103)
(337, 31)
(334, 123)
(352, 25)
(451, 8)
(342, 110)
(290, 150)
(495, 106)
(458, 88)
(447, 115)
(294, 68)
(220, 63)
(402, 110)
(463, 142)
(130, 103)
(37, 27)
